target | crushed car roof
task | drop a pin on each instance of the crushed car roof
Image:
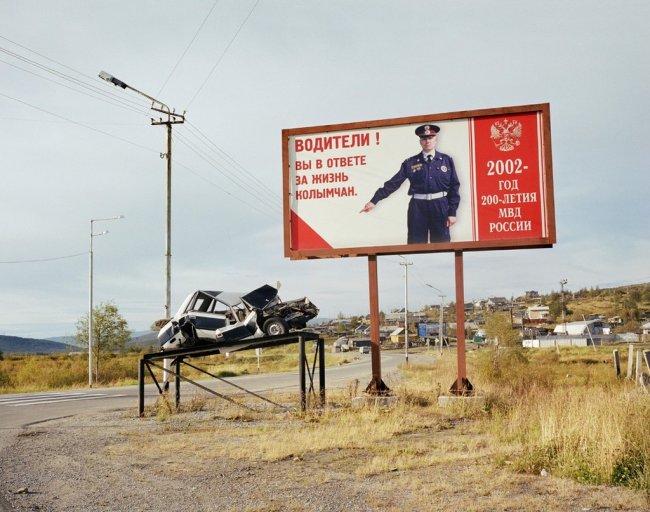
(228, 298)
(258, 298)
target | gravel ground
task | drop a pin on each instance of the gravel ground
(97, 463)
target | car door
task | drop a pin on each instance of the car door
(207, 314)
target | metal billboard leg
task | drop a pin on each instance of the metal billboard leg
(376, 385)
(177, 382)
(141, 387)
(462, 385)
(303, 362)
(321, 370)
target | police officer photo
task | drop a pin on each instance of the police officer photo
(433, 189)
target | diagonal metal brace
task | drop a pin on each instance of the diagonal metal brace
(178, 375)
(238, 387)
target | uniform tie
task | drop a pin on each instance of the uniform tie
(429, 158)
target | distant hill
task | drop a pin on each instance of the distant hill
(17, 345)
(66, 340)
(145, 340)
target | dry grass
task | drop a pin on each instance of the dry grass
(585, 426)
(30, 373)
(594, 436)
(568, 414)
(565, 413)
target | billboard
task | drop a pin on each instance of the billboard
(430, 329)
(370, 188)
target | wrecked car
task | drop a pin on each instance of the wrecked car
(229, 319)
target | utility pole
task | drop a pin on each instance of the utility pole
(442, 320)
(170, 118)
(90, 295)
(562, 283)
(406, 306)
(442, 314)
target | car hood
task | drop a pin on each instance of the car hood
(261, 298)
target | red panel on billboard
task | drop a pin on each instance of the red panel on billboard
(509, 196)
(304, 236)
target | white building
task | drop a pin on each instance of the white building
(538, 312)
(646, 328)
(583, 328)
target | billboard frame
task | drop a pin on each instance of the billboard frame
(546, 176)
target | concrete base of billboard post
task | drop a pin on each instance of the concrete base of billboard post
(374, 401)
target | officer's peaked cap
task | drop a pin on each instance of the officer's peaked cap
(426, 130)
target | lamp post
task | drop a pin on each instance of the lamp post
(90, 295)
(171, 118)
(406, 306)
(440, 325)
(562, 283)
(442, 320)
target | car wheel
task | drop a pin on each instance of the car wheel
(275, 326)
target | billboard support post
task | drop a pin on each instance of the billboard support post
(376, 385)
(462, 385)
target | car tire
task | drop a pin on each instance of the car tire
(275, 326)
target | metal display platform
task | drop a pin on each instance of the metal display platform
(178, 357)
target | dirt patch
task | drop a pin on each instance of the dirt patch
(110, 462)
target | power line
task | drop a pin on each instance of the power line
(198, 30)
(112, 101)
(235, 164)
(234, 177)
(41, 55)
(223, 54)
(261, 199)
(45, 259)
(88, 86)
(78, 123)
(131, 143)
(210, 182)
(259, 190)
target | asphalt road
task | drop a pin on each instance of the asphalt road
(20, 410)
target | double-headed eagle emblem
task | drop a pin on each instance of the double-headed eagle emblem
(506, 134)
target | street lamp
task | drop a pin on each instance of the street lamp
(562, 283)
(172, 118)
(442, 301)
(90, 295)
(406, 306)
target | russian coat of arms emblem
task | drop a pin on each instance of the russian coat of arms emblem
(506, 134)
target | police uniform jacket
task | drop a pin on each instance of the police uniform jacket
(425, 178)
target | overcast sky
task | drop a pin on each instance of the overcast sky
(76, 148)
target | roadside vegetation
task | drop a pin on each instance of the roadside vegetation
(560, 411)
(54, 372)
(566, 413)
(543, 412)
(557, 411)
